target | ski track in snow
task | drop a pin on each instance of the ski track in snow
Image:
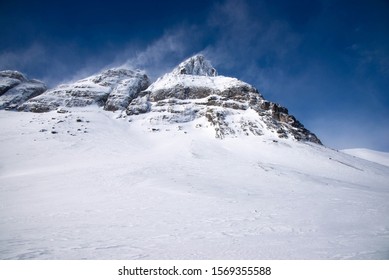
(102, 187)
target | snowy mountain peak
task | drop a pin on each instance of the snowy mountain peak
(225, 106)
(191, 95)
(195, 65)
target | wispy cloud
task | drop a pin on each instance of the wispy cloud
(51, 63)
(252, 45)
(161, 55)
(30, 55)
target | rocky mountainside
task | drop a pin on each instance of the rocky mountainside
(193, 93)
(113, 89)
(15, 89)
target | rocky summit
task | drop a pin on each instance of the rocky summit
(192, 93)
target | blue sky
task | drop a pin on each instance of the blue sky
(326, 61)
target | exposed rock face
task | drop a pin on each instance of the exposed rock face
(15, 89)
(113, 89)
(126, 90)
(193, 91)
(196, 65)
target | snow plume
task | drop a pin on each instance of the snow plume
(9, 59)
(24, 60)
(166, 52)
(54, 63)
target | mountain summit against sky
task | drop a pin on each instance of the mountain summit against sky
(191, 93)
(196, 65)
(194, 92)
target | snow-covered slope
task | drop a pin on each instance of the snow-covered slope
(374, 156)
(113, 89)
(88, 185)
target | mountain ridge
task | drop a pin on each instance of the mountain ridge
(193, 90)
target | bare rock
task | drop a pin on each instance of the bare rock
(114, 89)
(16, 89)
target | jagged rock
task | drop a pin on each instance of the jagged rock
(15, 89)
(193, 91)
(114, 89)
(217, 118)
(9, 79)
(138, 106)
(196, 65)
(126, 90)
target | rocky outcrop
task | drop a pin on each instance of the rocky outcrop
(114, 89)
(196, 65)
(194, 91)
(16, 89)
(126, 90)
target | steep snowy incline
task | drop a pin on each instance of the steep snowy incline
(86, 184)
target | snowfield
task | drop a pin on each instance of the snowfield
(88, 184)
(218, 83)
(374, 156)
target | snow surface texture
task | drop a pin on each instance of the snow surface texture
(15, 89)
(113, 88)
(374, 156)
(91, 184)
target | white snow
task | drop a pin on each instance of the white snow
(103, 187)
(374, 156)
(216, 83)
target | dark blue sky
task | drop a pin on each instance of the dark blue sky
(326, 61)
